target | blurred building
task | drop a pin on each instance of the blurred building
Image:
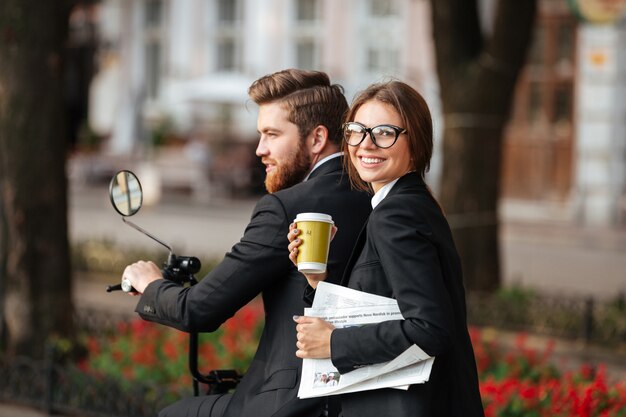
(178, 71)
(565, 149)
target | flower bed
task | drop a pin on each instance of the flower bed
(523, 383)
(144, 351)
(519, 382)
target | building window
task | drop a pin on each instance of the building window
(562, 109)
(305, 54)
(226, 55)
(226, 33)
(548, 81)
(383, 8)
(382, 29)
(537, 49)
(306, 10)
(153, 29)
(153, 66)
(535, 93)
(384, 60)
(306, 33)
(538, 145)
(153, 14)
(227, 10)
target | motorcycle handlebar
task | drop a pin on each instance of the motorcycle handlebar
(180, 269)
(124, 286)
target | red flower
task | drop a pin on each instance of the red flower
(170, 350)
(528, 392)
(144, 357)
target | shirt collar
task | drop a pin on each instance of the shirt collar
(382, 193)
(321, 161)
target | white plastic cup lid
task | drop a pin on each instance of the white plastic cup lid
(320, 217)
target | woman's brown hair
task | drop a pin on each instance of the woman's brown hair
(415, 115)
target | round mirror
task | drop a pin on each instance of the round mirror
(125, 192)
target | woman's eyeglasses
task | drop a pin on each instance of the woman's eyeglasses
(383, 136)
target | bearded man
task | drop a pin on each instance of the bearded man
(299, 123)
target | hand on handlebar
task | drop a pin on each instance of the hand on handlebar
(140, 275)
(294, 243)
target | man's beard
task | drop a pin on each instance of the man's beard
(291, 172)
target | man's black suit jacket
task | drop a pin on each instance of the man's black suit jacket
(406, 252)
(259, 263)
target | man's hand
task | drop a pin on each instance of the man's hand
(140, 274)
(313, 337)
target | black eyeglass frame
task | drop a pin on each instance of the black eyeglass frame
(399, 131)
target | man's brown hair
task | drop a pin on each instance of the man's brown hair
(309, 98)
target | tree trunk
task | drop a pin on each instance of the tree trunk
(33, 188)
(3, 272)
(477, 78)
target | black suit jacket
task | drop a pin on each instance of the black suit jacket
(406, 252)
(259, 263)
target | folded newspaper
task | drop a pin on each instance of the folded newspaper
(344, 307)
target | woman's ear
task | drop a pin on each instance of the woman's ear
(319, 139)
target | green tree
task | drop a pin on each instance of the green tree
(477, 74)
(36, 277)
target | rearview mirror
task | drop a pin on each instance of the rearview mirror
(126, 193)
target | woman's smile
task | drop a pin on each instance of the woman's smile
(380, 166)
(370, 161)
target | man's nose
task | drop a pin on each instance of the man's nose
(261, 149)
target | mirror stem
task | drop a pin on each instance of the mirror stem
(134, 226)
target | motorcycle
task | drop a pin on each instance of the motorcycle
(126, 195)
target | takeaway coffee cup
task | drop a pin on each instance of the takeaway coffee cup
(315, 235)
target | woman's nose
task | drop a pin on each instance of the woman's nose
(367, 142)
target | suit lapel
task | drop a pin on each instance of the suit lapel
(356, 251)
(411, 180)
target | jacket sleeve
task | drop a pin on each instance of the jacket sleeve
(257, 261)
(409, 257)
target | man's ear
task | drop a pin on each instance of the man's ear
(319, 139)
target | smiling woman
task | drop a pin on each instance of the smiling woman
(406, 252)
(376, 164)
(400, 121)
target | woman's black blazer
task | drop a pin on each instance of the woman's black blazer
(406, 252)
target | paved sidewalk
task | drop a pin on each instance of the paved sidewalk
(564, 259)
(549, 256)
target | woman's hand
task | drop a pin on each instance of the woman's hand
(313, 337)
(140, 274)
(294, 244)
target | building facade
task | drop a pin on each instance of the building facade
(185, 66)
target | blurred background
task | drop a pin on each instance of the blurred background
(160, 87)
